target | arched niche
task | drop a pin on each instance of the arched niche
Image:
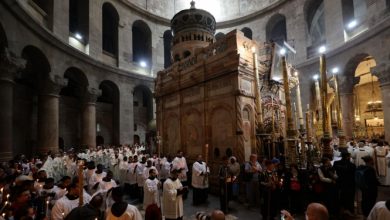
(110, 29)
(276, 30)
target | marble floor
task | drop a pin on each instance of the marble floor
(239, 210)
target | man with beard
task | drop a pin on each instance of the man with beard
(200, 172)
(172, 197)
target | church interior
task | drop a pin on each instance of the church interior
(293, 81)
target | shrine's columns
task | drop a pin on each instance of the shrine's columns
(48, 114)
(88, 118)
(8, 68)
(383, 73)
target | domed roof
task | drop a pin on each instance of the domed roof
(193, 19)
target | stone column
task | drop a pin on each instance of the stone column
(383, 73)
(9, 65)
(48, 114)
(347, 106)
(88, 118)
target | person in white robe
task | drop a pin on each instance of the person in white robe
(96, 178)
(173, 190)
(200, 172)
(380, 211)
(149, 166)
(179, 162)
(387, 179)
(380, 154)
(67, 203)
(140, 178)
(359, 153)
(120, 210)
(107, 182)
(151, 190)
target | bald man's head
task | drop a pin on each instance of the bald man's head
(217, 215)
(316, 211)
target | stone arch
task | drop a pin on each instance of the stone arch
(107, 110)
(219, 36)
(77, 83)
(25, 106)
(276, 30)
(142, 110)
(110, 23)
(37, 66)
(222, 129)
(167, 48)
(348, 79)
(247, 32)
(142, 42)
(3, 38)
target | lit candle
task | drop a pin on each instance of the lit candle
(7, 196)
(63, 215)
(47, 207)
(3, 215)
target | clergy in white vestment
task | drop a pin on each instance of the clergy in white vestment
(98, 175)
(200, 185)
(149, 166)
(120, 210)
(359, 153)
(380, 211)
(172, 197)
(151, 189)
(380, 153)
(107, 182)
(140, 178)
(179, 162)
(67, 203)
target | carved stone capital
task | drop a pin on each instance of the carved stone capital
(91, 95)
(382, 71)
(10, 65)
(52, 86)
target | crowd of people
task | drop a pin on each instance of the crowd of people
(98, 183)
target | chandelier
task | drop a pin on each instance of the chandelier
(373, 106)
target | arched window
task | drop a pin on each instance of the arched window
(110, 29)
(79, 19)
(167, 48)
(142, 43)
(247, 32)
(276, 29)
(315, 20)
(353, 10)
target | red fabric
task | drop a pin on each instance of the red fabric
(153, 212)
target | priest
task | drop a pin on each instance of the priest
(172, 197)
(200, 185)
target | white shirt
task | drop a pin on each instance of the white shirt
(105, 186)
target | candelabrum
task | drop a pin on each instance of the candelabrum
(326, 139)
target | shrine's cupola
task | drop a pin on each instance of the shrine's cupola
(192, 29)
